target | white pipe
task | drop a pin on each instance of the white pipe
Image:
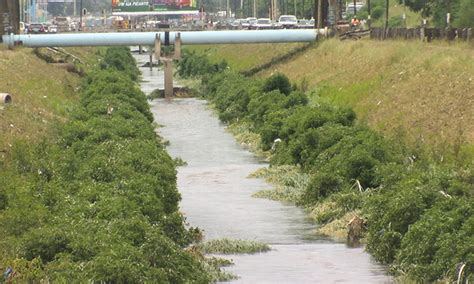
(5, 98)
(148, 38)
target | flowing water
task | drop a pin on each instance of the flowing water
(216, 197)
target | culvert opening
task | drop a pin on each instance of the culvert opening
(5, 98)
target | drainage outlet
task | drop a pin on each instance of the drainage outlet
(5, 98)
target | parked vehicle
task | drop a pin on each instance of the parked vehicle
(305, 24)
(252, 22)
(235, 25)
(263, 24)
(287, 22)
(52, 29)
(36, 29)
(244, 24)
(247, 23)
(350, 8)
(62, 24)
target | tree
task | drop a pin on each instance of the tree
(465, 15)
(462, 11)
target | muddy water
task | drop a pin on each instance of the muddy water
(216, 197)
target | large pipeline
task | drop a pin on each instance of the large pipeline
(148, 38)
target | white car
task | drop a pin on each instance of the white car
(235, 24)
(305, 24)
(252, 21)
(52, 29)
(244, 24)
(287, 22)
(263, 24)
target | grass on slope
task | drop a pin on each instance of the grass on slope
(42, 93)
(421, 93)
(244, 56)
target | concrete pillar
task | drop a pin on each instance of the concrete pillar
(168, 63)
(140, 49)
(157, 47)
(151, 61)
(177, 46)
(9, 16)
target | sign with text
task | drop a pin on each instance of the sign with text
(153, 6)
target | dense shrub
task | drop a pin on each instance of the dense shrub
(419, 213)
(419, 188)
(441, 239)
(101, 202)
(121, 59)
(193, 64)
(277, 82)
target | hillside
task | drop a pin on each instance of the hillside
(422, 92)
(41, 92)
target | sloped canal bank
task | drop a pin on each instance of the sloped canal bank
(216, 197)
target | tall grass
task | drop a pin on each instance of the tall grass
(289, 183)
(231, 246)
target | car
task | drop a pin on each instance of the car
(252, 21)
(235, 25)
(52, 29)
(248, 23)
(287, 22)
(263, 24)
(305, 24)
(36, 29)
(244, 24)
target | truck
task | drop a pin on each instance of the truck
(63, 23)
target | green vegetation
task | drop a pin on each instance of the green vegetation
(193, 65)
(462, 12)
(98, 199)
(395, 15)
(416, 92)
(350, 169)
(288, 180)
(229, 246)
(238, 55)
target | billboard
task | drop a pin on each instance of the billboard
(154, 6)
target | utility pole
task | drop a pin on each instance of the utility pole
(254, 8)
(80, 19)
(404, 15)
(33, 11)
(227, 10)
(369, 17)
(302, 9)
(270, 11)
(294, 4)
(448, 14)
(75, 12)
(386, 17)
(355, 9)
(319, 14)
(241, 9)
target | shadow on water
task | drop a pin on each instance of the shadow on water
(216, 197)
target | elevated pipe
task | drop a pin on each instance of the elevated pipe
(148, 38)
